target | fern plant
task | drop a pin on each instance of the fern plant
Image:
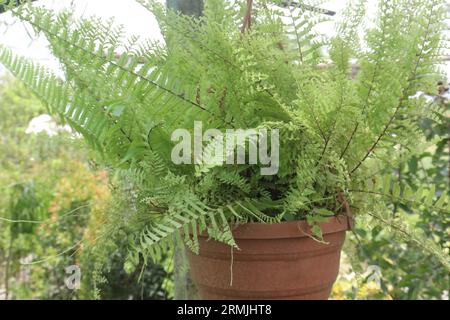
(341, 134)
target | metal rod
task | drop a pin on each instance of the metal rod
(307, 7)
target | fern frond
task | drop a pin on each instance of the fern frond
(408, 233)
(125, 72)
(302, 23)
(389, 189)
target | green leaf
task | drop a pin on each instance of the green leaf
(116, 109)
(324, 212)
(316, 231)
(429, 198)
(441, 200)
(386, 184)
(396, 190)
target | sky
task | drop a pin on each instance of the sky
(137, 21)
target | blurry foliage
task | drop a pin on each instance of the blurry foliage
(52, 204)
(361, 285)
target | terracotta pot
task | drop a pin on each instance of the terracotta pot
(277, 261)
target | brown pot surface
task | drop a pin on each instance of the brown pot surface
(274, 261)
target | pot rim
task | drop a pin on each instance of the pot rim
(288, 229)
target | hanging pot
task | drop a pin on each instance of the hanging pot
(274, 261)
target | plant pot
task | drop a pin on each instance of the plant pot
(275, 261)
